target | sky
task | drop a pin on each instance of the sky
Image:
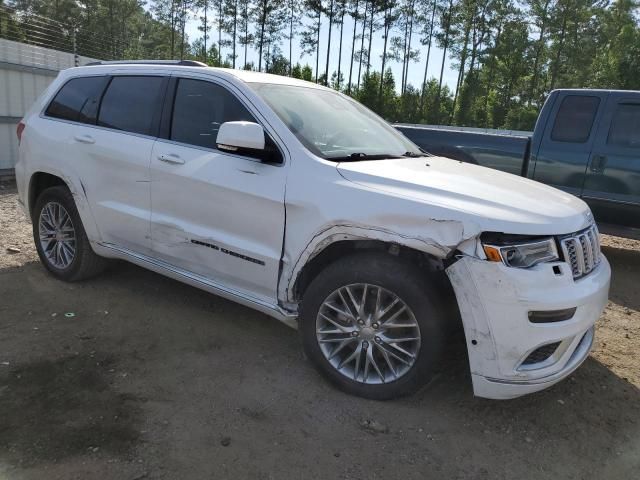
(416, 69)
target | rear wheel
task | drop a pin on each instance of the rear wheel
(61, 242)
(373, 325)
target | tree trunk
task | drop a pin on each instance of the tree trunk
(404, 54)
(291, 38)
(220, 31)
(556, 63)
(370, 35)
(426, 65)
(326, 70)
(246, 32)
(340, 48)
(491, 75)
(444, 59)
(364, 26)
(406, 68)
(539, 46)
(184, 24)
(318, 45)
(235, 26)
(463, 60)
(206, 4)
(387, 29)
(353, 48)
(263, 19)
(173, 29)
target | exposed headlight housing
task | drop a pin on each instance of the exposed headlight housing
(523, 255)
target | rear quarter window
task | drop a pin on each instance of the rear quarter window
(625, 126)
(574, 119)
(78, 100)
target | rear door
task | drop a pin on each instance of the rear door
(612, 184)
(565, 149)
(217, 214)
(111, 124)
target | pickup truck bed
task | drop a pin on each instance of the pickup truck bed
(500, 149)
(585, 142)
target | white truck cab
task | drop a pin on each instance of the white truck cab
(297, 201)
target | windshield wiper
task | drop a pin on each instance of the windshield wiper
(356, 156)
(412, 154)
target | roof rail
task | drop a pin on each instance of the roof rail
(183, 63)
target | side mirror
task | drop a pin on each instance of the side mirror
(240, 136)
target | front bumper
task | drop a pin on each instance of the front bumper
(495, 301)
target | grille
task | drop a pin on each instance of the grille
(541, 354)
(582, 251)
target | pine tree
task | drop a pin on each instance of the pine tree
(310, 36)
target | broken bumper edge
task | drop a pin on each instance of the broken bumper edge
(498, 389)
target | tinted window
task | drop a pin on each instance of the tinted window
(575, 118)
(78, 100)
(131, 104)
(625, 126)
(200, 108)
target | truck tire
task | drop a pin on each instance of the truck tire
(61, 242)
(373, 324)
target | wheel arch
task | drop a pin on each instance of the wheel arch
(38, 183)
(337, 241)
(40, 180)
(341, 248)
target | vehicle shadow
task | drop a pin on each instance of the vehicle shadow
(587, 426)
(625, 265)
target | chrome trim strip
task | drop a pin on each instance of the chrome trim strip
(97, 127)
(275, 311)
(581, 251)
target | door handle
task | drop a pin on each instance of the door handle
(597, 163)
(84, 139)
(171, 158)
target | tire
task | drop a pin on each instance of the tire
(82, 263)
(392, 277)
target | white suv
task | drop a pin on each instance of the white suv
(297, 201)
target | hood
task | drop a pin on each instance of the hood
(493, 200)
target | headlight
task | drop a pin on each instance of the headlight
(523, 255)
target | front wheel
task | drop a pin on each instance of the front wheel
(373, 325)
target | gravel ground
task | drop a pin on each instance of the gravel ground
(133, 375)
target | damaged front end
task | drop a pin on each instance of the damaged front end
(528, 323)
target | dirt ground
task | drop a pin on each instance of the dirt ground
(135, 376)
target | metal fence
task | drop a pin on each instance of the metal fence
(26, 27)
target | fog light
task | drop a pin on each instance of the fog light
(550, 316)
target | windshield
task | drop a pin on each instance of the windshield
(333, 126)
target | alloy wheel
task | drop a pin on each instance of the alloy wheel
(367, 333)
(57, 235)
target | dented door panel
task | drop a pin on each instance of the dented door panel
(218, 215)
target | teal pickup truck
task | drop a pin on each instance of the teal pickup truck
(586, 142)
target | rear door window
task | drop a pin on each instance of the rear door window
(78, 100)
(574, 119)
(625, 126)
(132, 104)
(200, 108)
